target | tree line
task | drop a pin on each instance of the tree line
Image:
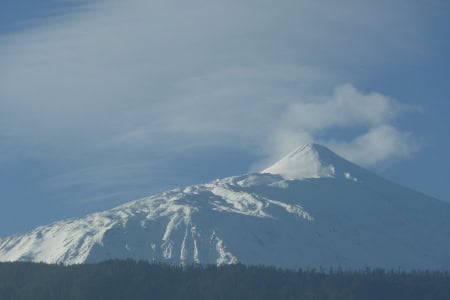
(129, 279)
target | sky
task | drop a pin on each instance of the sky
(107, 101)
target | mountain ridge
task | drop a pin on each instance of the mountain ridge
(348, 218)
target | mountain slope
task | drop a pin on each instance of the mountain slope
(310, 209)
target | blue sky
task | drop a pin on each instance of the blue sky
(102, 102)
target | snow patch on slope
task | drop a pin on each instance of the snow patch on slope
(241, 202)
(64, 242)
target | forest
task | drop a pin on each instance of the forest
(129, 279)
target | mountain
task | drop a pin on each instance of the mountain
(311, 209)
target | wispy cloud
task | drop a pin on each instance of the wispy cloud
(123, 79)
(381, 143)
(347, 108)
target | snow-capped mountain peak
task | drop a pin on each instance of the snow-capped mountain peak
(313, 161)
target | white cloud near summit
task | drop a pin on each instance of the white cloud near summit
(128, 78)
(346, 109)
(379, 144)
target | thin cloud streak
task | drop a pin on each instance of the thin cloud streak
(127, 78)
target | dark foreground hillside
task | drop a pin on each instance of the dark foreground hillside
(141, 280)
